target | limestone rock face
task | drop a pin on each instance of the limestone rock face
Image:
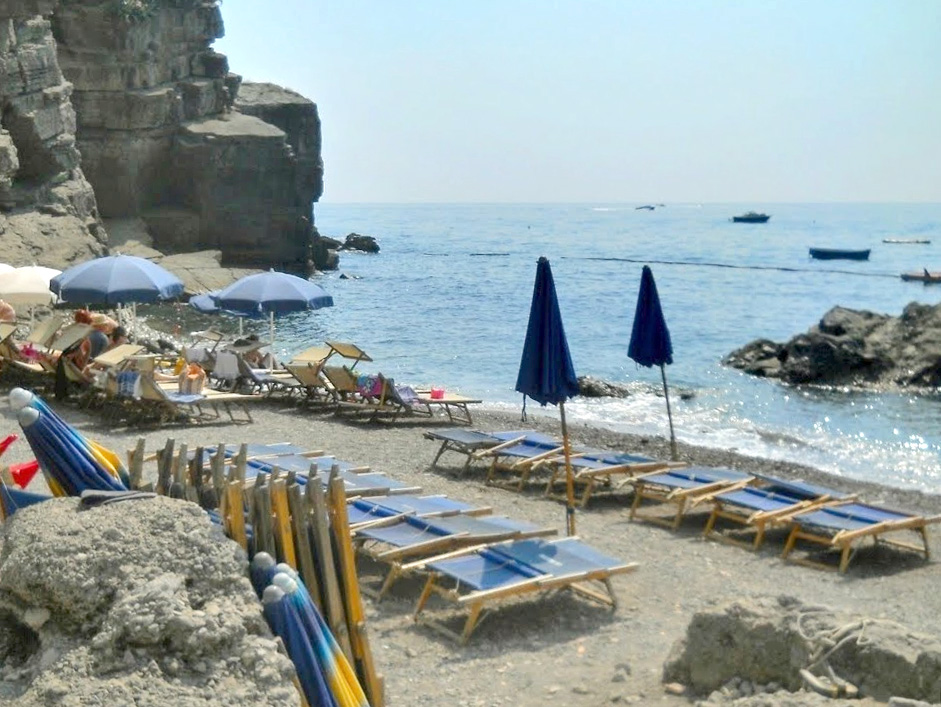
(48, 211)
(138, 602)
(849, 347)
(768, 640)
(298, 118)
(160, 139)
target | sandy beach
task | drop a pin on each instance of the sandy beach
(560, 649)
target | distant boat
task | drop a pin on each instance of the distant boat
(837, 254)
(906, 241)
(751, 217)
(645, 207)
(924, 276)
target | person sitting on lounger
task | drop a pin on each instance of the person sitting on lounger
(118, 337)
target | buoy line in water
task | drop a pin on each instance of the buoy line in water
(734, 267)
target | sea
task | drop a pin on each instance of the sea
(446, 303)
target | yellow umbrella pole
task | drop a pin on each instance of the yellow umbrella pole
(569, 480)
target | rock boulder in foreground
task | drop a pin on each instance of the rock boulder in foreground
(854, 348)
(140, 602)
(761, 645)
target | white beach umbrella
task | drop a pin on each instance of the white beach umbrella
(27, 285)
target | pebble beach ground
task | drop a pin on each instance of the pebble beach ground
(560, 649)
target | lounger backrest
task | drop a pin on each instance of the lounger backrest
(6, 331)
(70, 336)
(341, 378)
(226, 367)
(307, 373)
(45, 330)
(149, 390)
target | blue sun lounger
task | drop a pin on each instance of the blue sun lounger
(471, 443)
(388, 509)
(399, 544)
(769, 501)
(591, 467)
(841, 525)
(519, 452)
(474, 577)
(357, 481)
(684, 488)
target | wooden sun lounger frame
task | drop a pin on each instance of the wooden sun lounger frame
(591, 478)
(396, 557)
(477, 601)
(757, 521)
(846, 540)
(471, 451)
(684, 499)
(455, 406)
(522, 466)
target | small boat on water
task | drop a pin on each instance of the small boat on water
(838, 254)
(645, 207)
(906, 241)
(924, 276)
(751, 217)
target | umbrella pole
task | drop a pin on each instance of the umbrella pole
(666, 394)
(271, 328)
(569, 480)
(240, 326)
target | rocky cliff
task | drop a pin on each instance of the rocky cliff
(161, 136)
(47, 208)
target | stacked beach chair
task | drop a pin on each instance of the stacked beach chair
(270, 497)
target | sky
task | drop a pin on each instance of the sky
(600, 101)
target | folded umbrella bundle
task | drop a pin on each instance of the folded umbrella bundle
(324, 672)
(70, 462)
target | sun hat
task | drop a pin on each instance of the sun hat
(102, 321)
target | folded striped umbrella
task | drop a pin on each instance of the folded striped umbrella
(11, 500)
(285, 622)
(70, 462)
(335, 669)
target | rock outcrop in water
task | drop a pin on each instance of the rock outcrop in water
(854, 348)
(162, 133)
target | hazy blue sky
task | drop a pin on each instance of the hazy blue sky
(609, 100)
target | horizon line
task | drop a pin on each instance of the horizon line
(659, 204)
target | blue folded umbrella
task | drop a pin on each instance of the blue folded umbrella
(70, 462)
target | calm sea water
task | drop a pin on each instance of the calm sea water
(447, 300)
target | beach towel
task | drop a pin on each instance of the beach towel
(227, 366)
(369, 386)
(407, 394)
(129, 384)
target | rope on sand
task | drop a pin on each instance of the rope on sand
(826, 642)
